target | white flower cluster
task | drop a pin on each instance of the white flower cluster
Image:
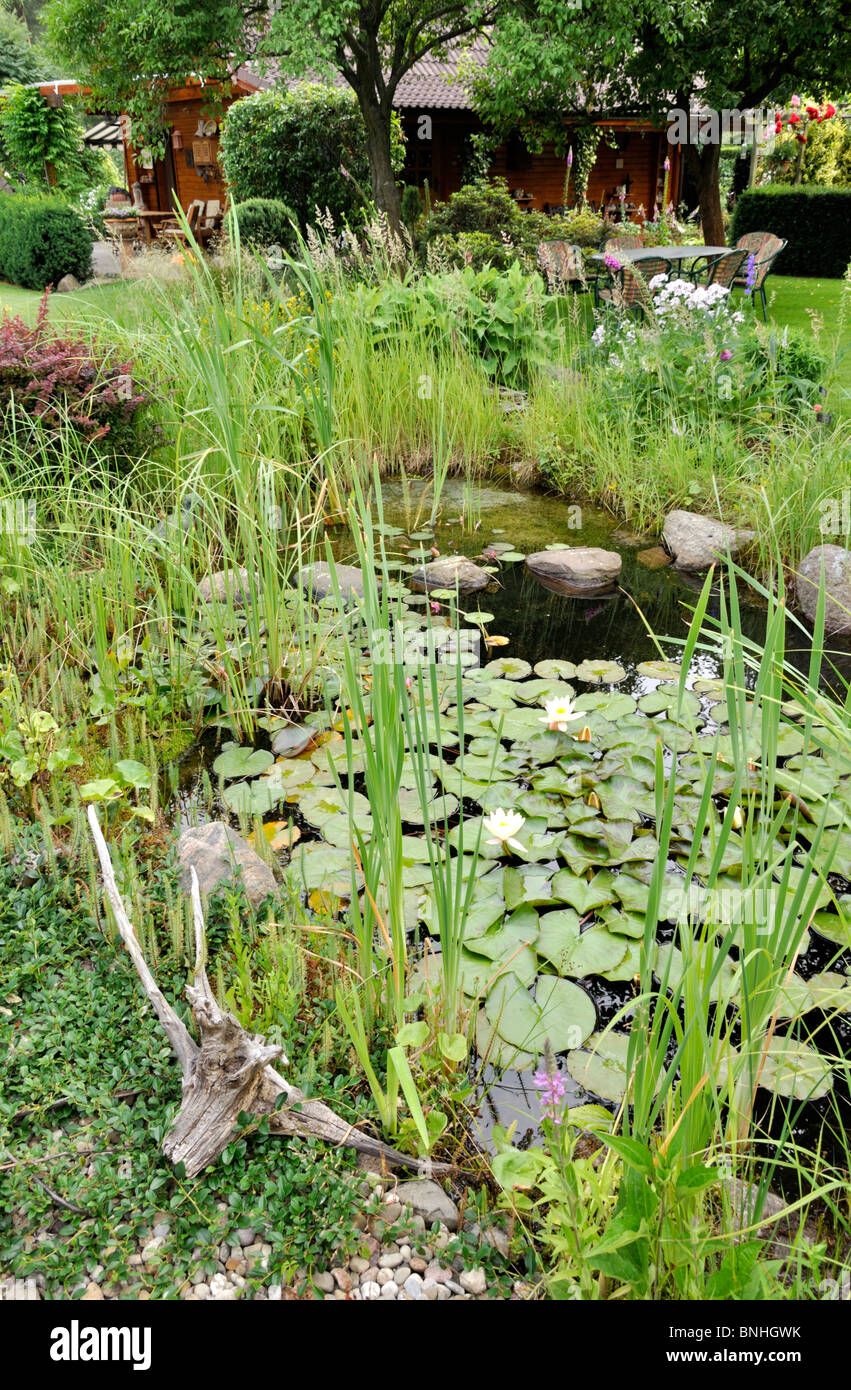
(672, 295)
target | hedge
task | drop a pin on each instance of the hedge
(42, 239)
(262, 223)
(815, 221)
(306, 147)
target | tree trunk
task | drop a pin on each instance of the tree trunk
(703, 163)
(384, 190)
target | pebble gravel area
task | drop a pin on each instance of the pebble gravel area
(411, 1235)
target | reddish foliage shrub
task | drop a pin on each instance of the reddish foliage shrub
(58, 380)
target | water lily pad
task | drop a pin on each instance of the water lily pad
(789, 1068)
(237, 761)
(323, 804)
(582, 894)
(673, 703)
(670, 967)
(255, 798)
(613, 706)
(322, 866)
(555, 670)
(660, 670)
(831, 992)
(510, 667)
(293, 739)
(600, 672)
(561, 1012)
(835, 926)
(600, 1066)
(574, 952)
(499, 1054)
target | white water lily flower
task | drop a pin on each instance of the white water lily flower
(559, 713)
(503, 826)
(738, 818)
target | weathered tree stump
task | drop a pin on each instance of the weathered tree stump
(230, 1073)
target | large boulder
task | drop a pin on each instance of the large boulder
(575, 569)
(316, 580)
(696, 541)
(69, 284)
(835, 562)
(220, 856)
(237, 585)
(449, 571)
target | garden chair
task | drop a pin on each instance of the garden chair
(724, 269)
(624, 243)
(560, 264)
(172, 231)
(765, 247)
(625, 289)
(653, 265)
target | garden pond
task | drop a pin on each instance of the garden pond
(551, 945)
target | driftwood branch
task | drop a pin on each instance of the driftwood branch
(231, 1073)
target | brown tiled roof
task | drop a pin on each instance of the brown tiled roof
(431, 83)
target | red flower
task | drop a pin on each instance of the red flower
(812, 112)
(829, 110)
(801, 138)
(794, 119)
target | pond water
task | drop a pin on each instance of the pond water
(543, 626)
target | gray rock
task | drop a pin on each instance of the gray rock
(370, 1290)
(390, 1261)
(220, 856)
(182, 520)
(221, 1288)
(316, 580)
(235, 585)
(390, 1289)
(413, 1286)
(245, 1235)
(696, 542)
(575, 569)
(448, 571)
(68, 285)
(429, 1201)
(836, 563)
(325, 1282)
(473, 1281)
(201, 1291)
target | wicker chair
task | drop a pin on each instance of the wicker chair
(624, 243)
(724, 269)
(765, 247)
(625, 289)
(653, 265)
(560, 264)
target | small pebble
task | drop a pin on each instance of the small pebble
(324, 1282)
(390, 1261)
(390, 1289)
(474, 1281)
(370, 1290)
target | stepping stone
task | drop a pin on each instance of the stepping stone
(696, 542)
(450, 571)
(575, 569)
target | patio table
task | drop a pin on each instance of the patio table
(672, 254)
(666, 253)
(149, 218)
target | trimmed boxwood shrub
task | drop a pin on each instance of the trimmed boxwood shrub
(263, 222)
(294, 145)
(816, 223)
(42, 239)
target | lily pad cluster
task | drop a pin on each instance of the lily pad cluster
(569, 902)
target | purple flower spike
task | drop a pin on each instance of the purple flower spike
(750, 279)
(612, 263)
(551, 1086)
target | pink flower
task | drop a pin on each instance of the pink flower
(667, 165)
(570, 157)
(726, 354)
(796, 100)
(552, 1089)
(435, 606)
(612, 262)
